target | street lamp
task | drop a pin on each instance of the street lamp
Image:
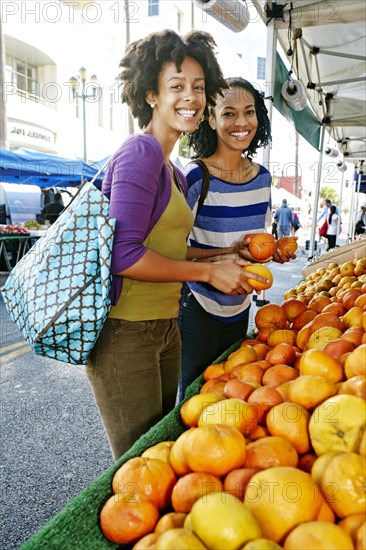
(79, 91)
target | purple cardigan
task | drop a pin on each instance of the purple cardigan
(138, 185)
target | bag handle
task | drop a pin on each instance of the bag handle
(95, 177)
(205, 182)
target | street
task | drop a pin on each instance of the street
(52, 441)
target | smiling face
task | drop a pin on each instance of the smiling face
(181, 100)
(235, 119)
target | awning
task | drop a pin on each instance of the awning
(36, 168)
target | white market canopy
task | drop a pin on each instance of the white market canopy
(328, 42)
(294, 202)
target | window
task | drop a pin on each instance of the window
(23, 75)
(261, 68)
(153, 7)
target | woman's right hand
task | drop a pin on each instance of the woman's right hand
(229, 277)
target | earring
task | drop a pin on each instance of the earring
(152, 104)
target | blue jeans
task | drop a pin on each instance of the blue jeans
(283, 231)
(204, 338)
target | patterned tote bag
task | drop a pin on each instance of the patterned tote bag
(58, 293)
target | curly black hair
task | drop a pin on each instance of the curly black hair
(204, 139)
(144, 60)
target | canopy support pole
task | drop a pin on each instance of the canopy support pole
(316, 195)
(270, 80)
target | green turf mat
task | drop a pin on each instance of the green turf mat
(76, 526)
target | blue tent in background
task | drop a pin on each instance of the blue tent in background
(359, 180)
(36, 168)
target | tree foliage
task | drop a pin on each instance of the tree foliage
(327, 192)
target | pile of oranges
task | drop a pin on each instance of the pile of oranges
(274, 455)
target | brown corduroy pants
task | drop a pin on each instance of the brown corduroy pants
(133, 370)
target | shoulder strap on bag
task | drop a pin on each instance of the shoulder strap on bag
(205, 182)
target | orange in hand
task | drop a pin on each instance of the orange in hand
(261, 270)
(261, 246)
(287, 245)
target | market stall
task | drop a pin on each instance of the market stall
(305, 362)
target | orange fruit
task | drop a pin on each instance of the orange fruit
(322, 336)
(160, 450)
(191, 410)
(177, 458)
(153, 477)
(270, 316)
(356, 362)
(213, 371)
(191, 487)
(147, 542)
(127, 517)
(263, 271)
(261, 245)
(281, 354)
(338, 424)
(291, 421)
(237, 481)
(351, 523)
(278, 374)
(317, 362)
(245, 354)
(237, 388)
(293, 308)
(232, 411)
(270, 451)
(178, 538)
(303, 319)
(249, 373)
(287, 245)
(171, 520)
(281, 498)
(282, 336)
(320, 465)
(264, 398)
(343, 484)
(214, 385)
(310, 390)
(221, 521)
(215, 449)
(318, 535)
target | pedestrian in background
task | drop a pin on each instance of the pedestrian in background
(53, 209)
(333, 227)
(295, 222)
(326, 210)
(168, 82)
(283, 216)
(360, 226)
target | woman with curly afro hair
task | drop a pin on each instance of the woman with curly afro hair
(238, 202)
(168, 81)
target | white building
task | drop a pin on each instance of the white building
(46, 42)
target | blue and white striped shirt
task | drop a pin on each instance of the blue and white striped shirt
(229, 212)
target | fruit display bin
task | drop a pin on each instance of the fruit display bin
(346, 253)
(76, 526)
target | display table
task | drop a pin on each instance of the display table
(76, 527)
(14, 247)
